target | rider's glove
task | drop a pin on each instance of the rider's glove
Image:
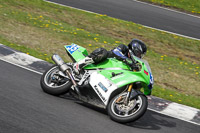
(130, 63)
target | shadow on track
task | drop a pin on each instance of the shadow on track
(153, 121)
(150, 121)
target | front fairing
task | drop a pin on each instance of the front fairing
(150, 75)
(120, 74)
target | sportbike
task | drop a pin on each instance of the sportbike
(110, 84)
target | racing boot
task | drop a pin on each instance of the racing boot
(79, 65)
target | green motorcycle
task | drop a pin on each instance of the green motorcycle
(110, 84)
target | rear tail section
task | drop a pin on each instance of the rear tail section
(76, 52)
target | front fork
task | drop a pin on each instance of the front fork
(126, 101)
(131, 94)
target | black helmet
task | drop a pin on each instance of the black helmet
(138, 48)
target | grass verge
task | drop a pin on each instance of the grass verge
(40, 29)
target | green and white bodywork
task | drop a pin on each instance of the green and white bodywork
(111, 74)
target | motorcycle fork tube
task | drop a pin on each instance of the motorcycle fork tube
(128, 94)
(73, 81)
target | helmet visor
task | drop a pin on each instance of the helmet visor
(138, 52)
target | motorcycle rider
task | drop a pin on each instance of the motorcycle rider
(121, 53)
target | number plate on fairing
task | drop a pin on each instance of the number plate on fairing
(72, 48)
(102, 86)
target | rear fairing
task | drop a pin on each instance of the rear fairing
(76, 52)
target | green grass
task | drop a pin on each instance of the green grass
(190, 6)
(176, 96)
(40, 29)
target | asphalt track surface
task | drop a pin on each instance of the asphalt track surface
(144, 14)
(25, 108)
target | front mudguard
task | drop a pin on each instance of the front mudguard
(135, 93)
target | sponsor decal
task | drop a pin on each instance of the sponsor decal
(99, 93)
(151, 81)
(102, 87)
(151, 78)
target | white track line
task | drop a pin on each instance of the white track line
(70, 7)
(173, 33)
(166, 8)
(138, 23)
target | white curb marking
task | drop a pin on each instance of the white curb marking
(180, 111)
(21, 66)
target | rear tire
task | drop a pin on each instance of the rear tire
(137, 107)
(54, 86)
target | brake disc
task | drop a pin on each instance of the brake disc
(123, 108)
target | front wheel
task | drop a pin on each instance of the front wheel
(122, 113)
(52, 82)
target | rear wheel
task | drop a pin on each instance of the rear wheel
(122, 113)
(52, 82)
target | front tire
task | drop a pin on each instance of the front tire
(121, 113)
(54, 84)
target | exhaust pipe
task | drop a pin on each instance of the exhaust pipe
(58, 60)
(66, 69)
